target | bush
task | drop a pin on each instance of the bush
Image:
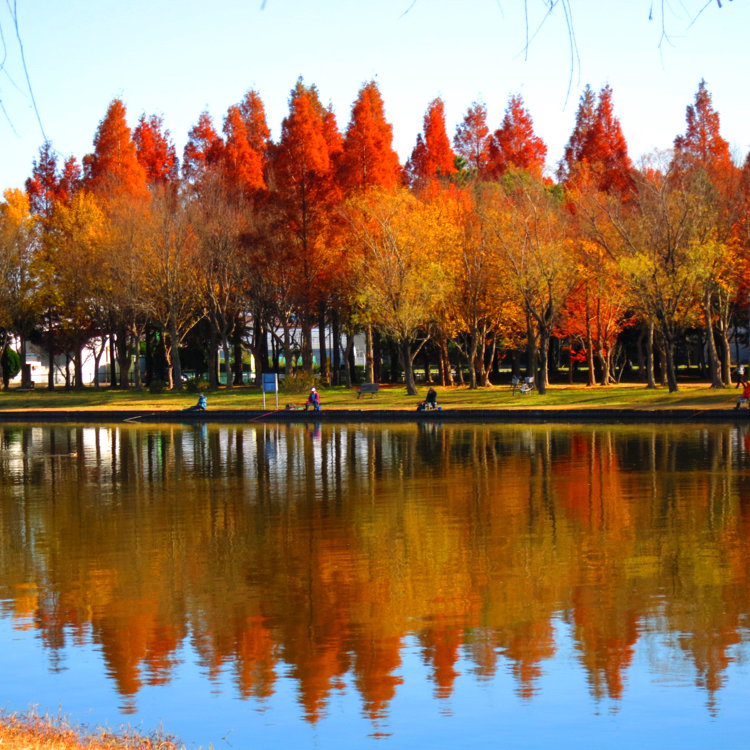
(298, 382)
(196, 385)
(157, 386)
(10, 363)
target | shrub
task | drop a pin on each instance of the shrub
(10, 363)
(196, 385)
(157, 386)
(298, 382)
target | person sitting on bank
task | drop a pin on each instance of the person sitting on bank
(431, 401)
(313, 400)
(200, 406)
(744, 396)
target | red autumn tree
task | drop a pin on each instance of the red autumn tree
(254, 117)
(242, 165)
(44, 184)
(575, 149)
(367, 158)
(303, 177)
(702, 159)
(472, 138)
(70, 180)
(113, 168)
(514, 144)
(204, 148)
(432, 157)
(597, 150)
(155, 150)
(702, 144)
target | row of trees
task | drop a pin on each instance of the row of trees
(468, 247)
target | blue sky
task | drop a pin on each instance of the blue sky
(177, 59)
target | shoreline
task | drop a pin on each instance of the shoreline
(383, 416)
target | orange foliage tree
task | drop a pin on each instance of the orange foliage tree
(597, 150)
(399, 279)
(530, 233)
(155, 151)
(306, 191)
(514, 145)
(432, 157)
(367, 156)
(204, 148)
(703, 155)
(114, 175)
(367, 161)
(471, 139)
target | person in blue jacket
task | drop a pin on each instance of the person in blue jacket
(200, 406)
(313, 400)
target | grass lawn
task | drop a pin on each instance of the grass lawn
(632, 396)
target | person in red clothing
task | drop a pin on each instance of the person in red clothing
(744, 396)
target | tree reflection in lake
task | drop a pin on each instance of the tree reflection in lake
(316, 551)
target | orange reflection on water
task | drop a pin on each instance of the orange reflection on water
(274, 549)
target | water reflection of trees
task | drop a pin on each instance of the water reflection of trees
(318, 550)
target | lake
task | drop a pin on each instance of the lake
(380, 586)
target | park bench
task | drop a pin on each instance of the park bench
(371, 388)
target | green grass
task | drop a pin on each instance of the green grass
(693, 396)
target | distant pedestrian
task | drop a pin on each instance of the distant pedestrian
(740, 375)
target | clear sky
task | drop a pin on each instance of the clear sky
(178, 58)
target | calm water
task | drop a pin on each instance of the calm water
(387, 587)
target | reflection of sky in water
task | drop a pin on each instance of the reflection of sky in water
(657, 710)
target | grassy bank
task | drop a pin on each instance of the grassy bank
(30, 731)
(693, 396)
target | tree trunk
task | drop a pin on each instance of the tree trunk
(325, 372)
(377, 356)
(446, 360)
(488, 363)
(112, 360)
(97, 358)
(589, 345)
(348, 356)
(713, 357)
(123, 356)
(259, 348)
(530, 345)
(541, 380)
(671, 371)
(307, 353)
(407, 363)
(287, 344)
(336, 349)
(472, 360)
(50, 356)
(239, 327)
(176, 363)
(77, 369)
(137, 351)
(227, 368)
(352, 367)
(213, 360)
(25, 371)
(369, 355)
(650, 375)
